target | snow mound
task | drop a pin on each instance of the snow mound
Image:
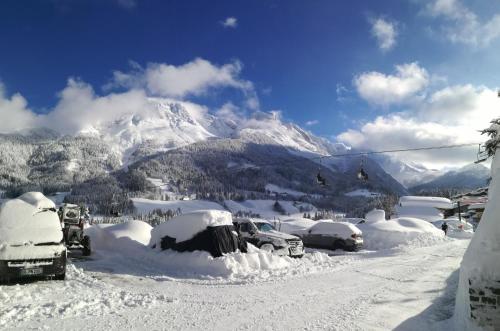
(186, 226)
(456, 228)
(104, 236)
(375, 215)
(399, 232)
(295, 225)
(29, 219)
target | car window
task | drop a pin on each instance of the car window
(264, 227)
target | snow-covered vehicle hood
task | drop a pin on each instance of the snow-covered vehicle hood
(30, 219)
(277, 235)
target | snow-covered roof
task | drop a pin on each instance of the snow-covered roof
(419, 201)
(31, 218)
(186, 226)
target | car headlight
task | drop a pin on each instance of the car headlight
(280, 243)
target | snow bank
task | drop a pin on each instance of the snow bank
(375, 215)
(186, 226)
(480, 268)
(29, 219)
(399, 232)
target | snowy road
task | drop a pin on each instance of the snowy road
(408, 289)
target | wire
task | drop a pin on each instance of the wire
(369, 153)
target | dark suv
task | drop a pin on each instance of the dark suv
(262, 234)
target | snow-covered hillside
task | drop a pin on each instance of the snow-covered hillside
(471, 176)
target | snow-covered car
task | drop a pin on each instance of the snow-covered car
(332, 235)
(31, 239)
(262, 234)
(204, 230)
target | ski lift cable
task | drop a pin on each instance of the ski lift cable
(322, 157)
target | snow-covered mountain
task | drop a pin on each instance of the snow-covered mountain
(468, 177)
(169, 124)
(408, 174)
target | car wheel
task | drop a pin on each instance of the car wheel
(86, 246)
(338, 244)
(267, 247)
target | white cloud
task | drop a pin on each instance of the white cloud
(14, 113)
(463, 25)
(230, 22)
(385, 32)
(452, 115)
(79, 107)
(194, 78)
(312, 122)
(384, 90)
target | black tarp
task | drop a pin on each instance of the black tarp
(216, 240)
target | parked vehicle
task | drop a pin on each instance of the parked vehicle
(31, 239)
(73, 223)
(262, 234)
(332, 235)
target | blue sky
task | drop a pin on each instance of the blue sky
(346, 70)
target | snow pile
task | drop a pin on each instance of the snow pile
(295, 225)
(480, 267)
(104, 236)
(399, 232)
(186, 226)
(29, 219)
(375, 215)
(422, 201)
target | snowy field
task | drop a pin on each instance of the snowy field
(407, 288)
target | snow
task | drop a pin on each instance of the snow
(265, 208)
(29, 220)
(423, 201)
(342, 229)
(375, 215)
(186, 226)
(362, 193)
(145, 206)
(481, 262)
(429, 214)
(456, 228)
(276, 189)
(409, 289)
(399, 232)
(295, 225)
(105, 235)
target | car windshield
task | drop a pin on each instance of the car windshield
(264, 227)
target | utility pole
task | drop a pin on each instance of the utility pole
(459, 212)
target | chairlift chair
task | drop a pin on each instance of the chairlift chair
(482, 154)
(362, 175)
